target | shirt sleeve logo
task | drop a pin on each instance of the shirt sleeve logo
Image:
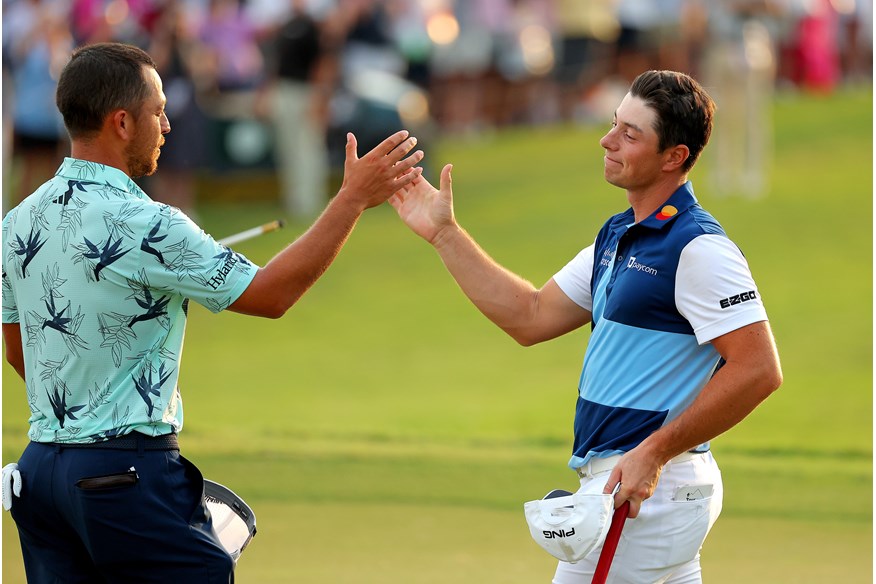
(738, 299)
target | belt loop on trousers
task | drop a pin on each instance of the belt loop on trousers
(141, 444)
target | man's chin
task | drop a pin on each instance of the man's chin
(143, 171)
(611, 179)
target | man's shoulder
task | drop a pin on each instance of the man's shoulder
(693, 223)
(704, 221)
(86, 207)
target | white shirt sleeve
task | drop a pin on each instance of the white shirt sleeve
(714, 289)
(574, 278)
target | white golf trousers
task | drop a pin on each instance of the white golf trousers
(661, 545)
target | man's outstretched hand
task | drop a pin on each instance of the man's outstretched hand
(372, 179)
(425, 209)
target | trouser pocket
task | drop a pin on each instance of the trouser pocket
(687, 531)
(111, 481)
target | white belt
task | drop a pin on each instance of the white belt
(599, 465)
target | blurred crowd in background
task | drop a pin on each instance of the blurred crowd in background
(270, 87)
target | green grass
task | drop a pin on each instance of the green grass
(385, 432)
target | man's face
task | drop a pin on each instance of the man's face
(150, 126)
(632, 157)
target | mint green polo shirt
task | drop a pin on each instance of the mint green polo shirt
(99, 277)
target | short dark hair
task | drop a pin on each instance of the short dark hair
(99, 79)
(684, 110)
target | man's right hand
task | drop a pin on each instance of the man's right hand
(425, 209)
(372, 179)
(368, 182)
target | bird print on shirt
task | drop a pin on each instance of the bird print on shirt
(153, 237)
(154, 309)
(105, 255)
(144, 294)
(146, 388)
(58, 399)
(58, 318)
(27, 250)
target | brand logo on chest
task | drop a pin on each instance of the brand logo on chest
(634, 265)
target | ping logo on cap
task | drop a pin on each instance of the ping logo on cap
(551, 534)
(666, 212)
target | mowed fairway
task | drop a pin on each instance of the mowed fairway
(385, 432)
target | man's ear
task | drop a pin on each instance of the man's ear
(675, 157)
(122, 124)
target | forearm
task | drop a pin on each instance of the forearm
(297, 267)
(750, 374)
(14, 349)
(17, 364)
(506, 299)
(280, 283)
(731, 395)
(368, 182)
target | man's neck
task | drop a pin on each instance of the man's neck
(93, 151)
(647, 200)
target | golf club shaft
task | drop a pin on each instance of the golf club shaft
(610, 545)
(253, 232)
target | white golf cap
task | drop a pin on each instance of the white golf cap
(233, 520)
(569, 526)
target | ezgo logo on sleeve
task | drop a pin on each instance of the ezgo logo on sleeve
(738, 299)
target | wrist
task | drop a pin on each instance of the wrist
(346, 199)
(655, 448)
(446, 235)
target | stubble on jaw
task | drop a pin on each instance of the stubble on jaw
(140, 165)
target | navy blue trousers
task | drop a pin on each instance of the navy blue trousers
(149, 525)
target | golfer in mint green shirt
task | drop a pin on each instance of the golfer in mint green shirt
(97, 279)
(102, 279)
